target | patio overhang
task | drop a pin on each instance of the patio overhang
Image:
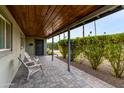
(47, 20)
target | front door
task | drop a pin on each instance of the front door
(39, 47)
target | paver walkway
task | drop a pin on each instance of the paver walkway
(56, 76)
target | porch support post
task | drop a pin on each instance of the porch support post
(52, 48)
(59, 37)
(64, 36)
(69, 46)
(95, 27)
(83, 31)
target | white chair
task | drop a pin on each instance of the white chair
(32, 67)
(36, 59)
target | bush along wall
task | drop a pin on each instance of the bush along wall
(63, 48)
(75, 48)
(49, 45)
(95, 48)
(114, 52)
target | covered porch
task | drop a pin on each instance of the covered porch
(55, 75)
(30, 27)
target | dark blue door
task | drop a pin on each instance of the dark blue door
(39, 47)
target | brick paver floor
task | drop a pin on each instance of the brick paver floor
(55, 75)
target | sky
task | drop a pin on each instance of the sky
(110, 24)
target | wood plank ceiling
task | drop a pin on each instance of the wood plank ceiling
(44, 20)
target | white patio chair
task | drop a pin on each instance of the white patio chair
(36, 59)
(32, 67)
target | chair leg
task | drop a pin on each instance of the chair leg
(41, 68)
(29, 73)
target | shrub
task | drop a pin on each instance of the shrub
(75, 48)
(94, 51)
(115, 55)
(62, 44)
(49, 52)
(75, 51)
(49, 45)
(94, 48)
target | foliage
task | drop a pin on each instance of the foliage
(63, 47)
(94, 51)
(49, 51)
(49, 45)
(115, 55)
(96, 47)
(62, 44)
(75, 48)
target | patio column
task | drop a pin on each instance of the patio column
(52, 48)
(69, 46)
(63, 35)
(95, 27)
(59, 37)
(83, 31)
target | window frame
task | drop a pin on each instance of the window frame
(22, 41)
(5, 31)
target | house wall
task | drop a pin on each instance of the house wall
(9, 63)
(31, 49)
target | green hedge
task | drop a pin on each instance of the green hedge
(80, 43)
(93, 49)
(97, 47)
(62, 45)
(115, 55)
(49, 45)
(49, 51)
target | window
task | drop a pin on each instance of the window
(5, 33)
(22, 42)
(2, 25)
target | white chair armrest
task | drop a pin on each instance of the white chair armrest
(36, 59)
(29, 62)
(33, 66)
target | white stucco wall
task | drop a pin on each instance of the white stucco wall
(31, 49)
(9, 63)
